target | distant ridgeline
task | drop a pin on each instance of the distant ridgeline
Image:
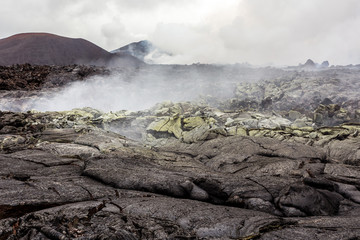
(50, 49)
(143, 50)
(311, 64)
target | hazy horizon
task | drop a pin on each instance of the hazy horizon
(260, 32)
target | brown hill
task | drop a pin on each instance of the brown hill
(50, 49)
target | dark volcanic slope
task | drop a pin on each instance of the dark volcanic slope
(143, 50)
(27, 77)
(50, 49)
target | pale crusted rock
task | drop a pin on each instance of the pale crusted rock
(274, 122)
(235, 130)
(69, 149)
(345, 151)
(293, 115)
(192, 122)
(167, 125)
(11, 142)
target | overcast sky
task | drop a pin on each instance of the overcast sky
(280, 32)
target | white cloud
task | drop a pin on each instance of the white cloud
(256, 31)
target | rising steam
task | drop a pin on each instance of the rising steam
(142, 88)
(138, 90)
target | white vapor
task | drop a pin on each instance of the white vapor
(137, 90)
(143, 88)
(108, 94)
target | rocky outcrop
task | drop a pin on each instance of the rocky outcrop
(309, 64)
(145, 51)
(28, 77)
(280, 160)
(325, 64)
(21, 85)
(328, 96)
(63, 177)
